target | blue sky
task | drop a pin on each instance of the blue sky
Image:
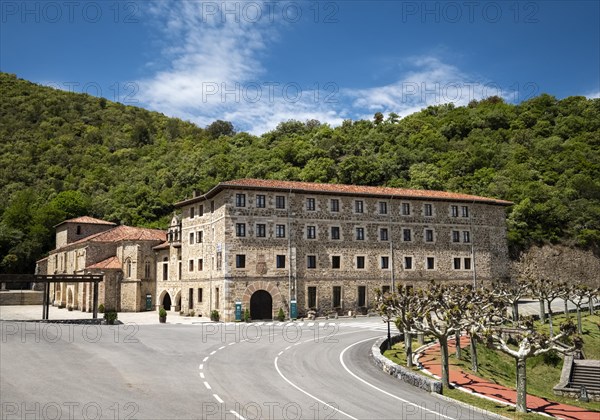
(259, 63)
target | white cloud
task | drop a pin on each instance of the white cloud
(593, 95)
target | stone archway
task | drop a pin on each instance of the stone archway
(70, 297)
(271, 288)
(166, 301)
(261, 305)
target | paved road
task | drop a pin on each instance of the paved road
(210, 371)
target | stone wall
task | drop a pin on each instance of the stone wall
(558, 263)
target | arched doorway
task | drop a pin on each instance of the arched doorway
(261, 305)
(166, 303)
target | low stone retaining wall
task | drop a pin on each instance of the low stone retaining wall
(400, 372)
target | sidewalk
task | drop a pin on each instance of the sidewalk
(430, 360)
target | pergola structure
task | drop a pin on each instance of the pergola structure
(56, 278)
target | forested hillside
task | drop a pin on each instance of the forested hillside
(64, 154)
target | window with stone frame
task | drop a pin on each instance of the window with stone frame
(465, 211)
(240, 230)
(360, 234)
(200, 295)
(191, 265)
(455, 236)
(280, 202)
(128, 269)
(383, 234)
(385, 262)
(192, 212)
(201, 210)
(310, 204)
(261, 201)
(358, 206)
(429, 236)
(280, 231)
(362, 296)
(200, 264)
(405, 209)
(406, 235)
(383, 207)
(240, 200)
(335, 232)
(191, 298)
(334, 205)
(147, 270)
(311, 261)
(456, 263)
(199, 237)
(261, 230)
(360, 262)
(165, 269)
(336, 262)
(240, 261)
(430, 263)
(311, 232)
(191, 238)
(408, 263)
(280, 261)
(336, 295)
(454, 211)
(467, 263)
(219, 260)
(311, 297)
(427, 210)
(466, 236)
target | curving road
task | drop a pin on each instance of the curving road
(208, 371)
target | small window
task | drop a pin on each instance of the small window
(240, 261)
(406, 235)
(310, 204)
(201, 210)
(335, 205)
(358, 206)
(428, 235)
(219, 261)
(456, 263)
(454, 211)
(336, 261)
(311, 297)
(191, 265)
(261, 201)
(311, 232)
(191, 238)
(337, 296)
(128, 267)
(280, 231)
(280, 202)
(165, 269)
(240, 200)
(430, 263)
(382, 207)
(217, 298)
(240, 229)
(465, 211)
(466, 236)
(147, 272)
(405, 209)
(455, 236)
(311, 261)
(467, 263)
(200, 295)
(385, 263)
(280, 261)
(200, 264)
(191, 298)
(362, 296)
(261, 230)
(200, 237)
(192, 212)
(335, 232)
(212, 206)
(360, 234)
(408, 263)
(360, 262)
(383, 234)
(385, 289)
(78, 232)
(428, 210)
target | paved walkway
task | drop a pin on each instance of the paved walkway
(430, 360)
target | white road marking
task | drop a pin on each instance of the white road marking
(205, 359)
(288, 347)
(221, 348)
(231, 344)
(206, 384)
(201, 375)
(219, 400)
(280, 353)
(379, 389)
(213, 352)
(236, 415)
(310, 395)
(201, 367)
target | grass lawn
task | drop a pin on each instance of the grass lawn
(543, 372)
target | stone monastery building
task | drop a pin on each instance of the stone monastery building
(266, 244)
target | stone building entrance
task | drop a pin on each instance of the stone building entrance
(261, 305)
(166, 303)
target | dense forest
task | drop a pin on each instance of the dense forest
(64, 154)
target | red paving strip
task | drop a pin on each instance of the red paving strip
(430, 360)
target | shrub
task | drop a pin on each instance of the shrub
(162, 313)
(192, 312)
(111, 317)
(214, 315)
(101, 308)
(280, 315)
(246, 315)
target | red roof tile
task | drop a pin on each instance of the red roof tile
(124, 233)
(310, 187)
(87, 220)
(109, 263)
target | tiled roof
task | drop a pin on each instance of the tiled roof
(87, 220)
(112, 262)
(124, 233)
(310, 187)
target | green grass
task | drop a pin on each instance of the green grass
(543, 372)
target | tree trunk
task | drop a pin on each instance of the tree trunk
(473, 344)
(522, 385)
(542, 312)
(457, 342)
(550, 319)
(566, 301)
(408, 349)
(579, 328)
(591, 305)
(445, 368)
(515, 312)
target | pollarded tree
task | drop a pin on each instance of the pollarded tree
(578, 294)
(511, 293)
(530, 343)
(592, 295)
(546, 291)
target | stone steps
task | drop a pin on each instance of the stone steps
(587, 375)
